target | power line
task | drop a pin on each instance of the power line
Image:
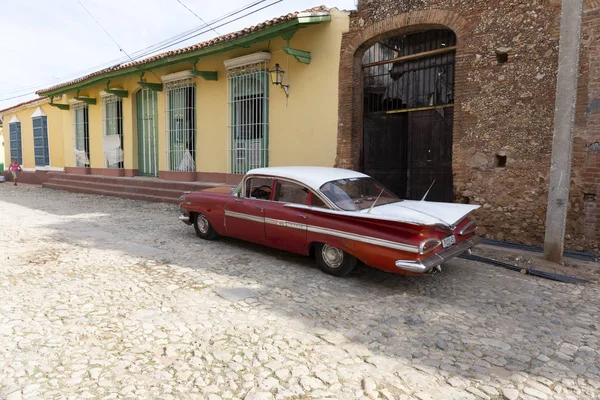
(105, 31)
(177, 39)
(197, 16)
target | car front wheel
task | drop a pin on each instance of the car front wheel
(334, 261)
(203, 228)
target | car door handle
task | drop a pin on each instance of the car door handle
(301, 216)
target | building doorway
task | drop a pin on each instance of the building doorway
(408, 113)
(147, 129)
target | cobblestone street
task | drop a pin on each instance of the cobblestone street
(104, 298)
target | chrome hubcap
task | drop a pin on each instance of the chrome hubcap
(332, 256)
(202, 223)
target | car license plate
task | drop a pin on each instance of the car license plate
(449, 241)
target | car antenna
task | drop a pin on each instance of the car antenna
(373, 205)
(427, 192)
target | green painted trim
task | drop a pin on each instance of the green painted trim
(207, 75)
(86, 100)
(117, 92)
(64, 107)
(300, 55)
(155, 87)
(263, 35)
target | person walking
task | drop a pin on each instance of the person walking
(15, 168)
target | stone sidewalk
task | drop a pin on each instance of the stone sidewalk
(105, 298)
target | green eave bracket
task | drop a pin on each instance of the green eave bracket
(86, 100)
(155, 87)
(64, 107)
(300, 55)
(260, 36)
(207, 75)
(117, 92)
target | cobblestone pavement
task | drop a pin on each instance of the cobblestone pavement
(104, 298)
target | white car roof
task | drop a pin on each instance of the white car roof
(313, 177)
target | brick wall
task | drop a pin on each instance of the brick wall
(500, 109)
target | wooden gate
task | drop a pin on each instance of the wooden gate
(408, 114)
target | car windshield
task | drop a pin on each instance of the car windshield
(357, 193)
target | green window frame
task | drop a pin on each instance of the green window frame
(180, 130)
(112, 123)
(81, 133)
(248, 105)
(16, 145)
(40, 141)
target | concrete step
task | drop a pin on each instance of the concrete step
(138, 181)
(133, 196)
(121, 188)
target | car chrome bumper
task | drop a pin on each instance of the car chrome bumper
(185, 219)
(429, 263)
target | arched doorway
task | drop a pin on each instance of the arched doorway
(147, 130)
(408, 113)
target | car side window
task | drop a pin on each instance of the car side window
(258, 188)
(288, 192)
(317, 202)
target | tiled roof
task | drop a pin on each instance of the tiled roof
(22, 104)
(202, 45)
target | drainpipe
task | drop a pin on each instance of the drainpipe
(564, 121)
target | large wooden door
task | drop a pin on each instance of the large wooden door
(385, 150)
(430, 154)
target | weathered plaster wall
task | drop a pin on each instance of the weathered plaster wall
(502, 109)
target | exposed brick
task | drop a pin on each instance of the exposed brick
(515, 115)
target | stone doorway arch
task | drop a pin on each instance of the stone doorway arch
(350, 149)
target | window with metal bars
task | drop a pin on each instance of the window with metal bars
(81, 133)
(248, 109)
(181, 125)
(16, 149)
(112, 123)
(40, 141)
(411, 71)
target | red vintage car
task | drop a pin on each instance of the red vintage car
(337, 215)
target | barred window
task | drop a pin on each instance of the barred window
(40, 141)
(16, 149)
(81, 133)
(112, 123)
(180, 127)
(248, 109)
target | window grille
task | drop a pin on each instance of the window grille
(81, 133)
(112, 123)
(248, 118)
(40, 141)
(147, 125)
(416, 82)
(16, 149)
(180, 127)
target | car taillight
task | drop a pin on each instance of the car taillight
(429, 245)
(468, 228)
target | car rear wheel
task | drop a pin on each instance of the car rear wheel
(203, 228)
(334, 261)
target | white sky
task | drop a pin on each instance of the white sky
(46, 42)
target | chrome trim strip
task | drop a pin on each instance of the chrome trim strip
(364, 239)
(286, 224)
(326, 231)
(429, 263)
(244, 216)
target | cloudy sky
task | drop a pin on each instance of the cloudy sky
(48, 42)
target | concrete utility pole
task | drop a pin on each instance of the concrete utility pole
(564, 121)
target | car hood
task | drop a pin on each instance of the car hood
(423, 212)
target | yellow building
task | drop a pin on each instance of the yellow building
(263, 96)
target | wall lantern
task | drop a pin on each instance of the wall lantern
(277, 75)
